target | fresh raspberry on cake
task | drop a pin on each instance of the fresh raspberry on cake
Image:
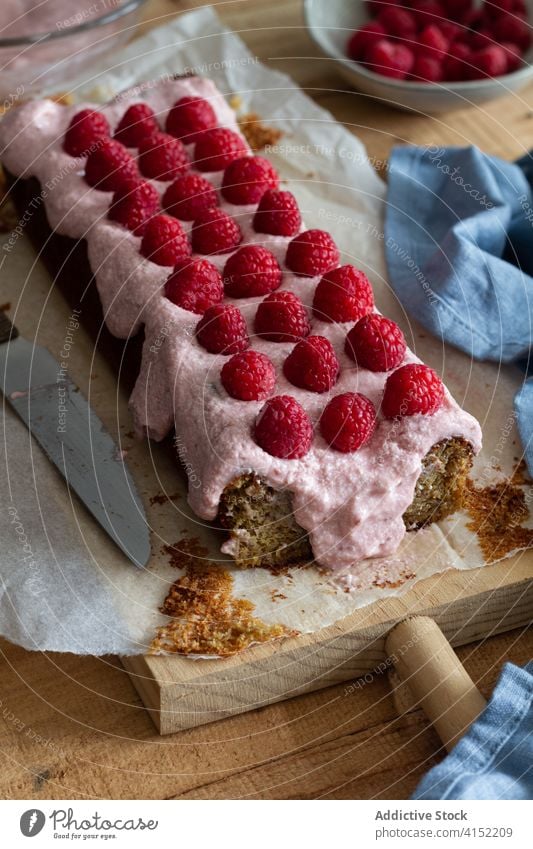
(162, 157)
(283, 428)
(249, 376)
(215, 232)
(195, 285)
(188, 196)
(363, 38)
(376, 343)
(312, 364)
(398, 22)
(311, 253)
(281, 317)
(412, 389)
(164, 241)
(251, 271)
(133, 205)
(348, 422)
(343, 294)
(246, 180)
(189, 117)
(110, 166)
(136, 125)
(390, 59)
(216, 149)
(222, 330)
(86, 129)
(277, 214)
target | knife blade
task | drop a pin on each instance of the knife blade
(75, 440)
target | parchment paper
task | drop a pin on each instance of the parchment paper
(63, 585)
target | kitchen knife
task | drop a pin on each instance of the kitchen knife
(73, 437)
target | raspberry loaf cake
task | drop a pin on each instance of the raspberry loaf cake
(307, 427)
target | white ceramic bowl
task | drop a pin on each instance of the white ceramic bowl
(330, 23)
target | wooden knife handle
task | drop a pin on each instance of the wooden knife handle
(7, 329)
(438, 681)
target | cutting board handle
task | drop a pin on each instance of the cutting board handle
(427, 664)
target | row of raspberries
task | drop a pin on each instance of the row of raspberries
(283, 428)
(442, 40)
(343, 293)
(187, 120)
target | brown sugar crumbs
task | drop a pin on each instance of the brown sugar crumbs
(257, 134)
(206, 618)
(276, 595)
(520, 476)
(392, 585)
(497, 514)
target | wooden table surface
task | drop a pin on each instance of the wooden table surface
(74, 727)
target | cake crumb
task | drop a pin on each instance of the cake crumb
(257, 134)
(206, 618)
(63, 98)
(497, 514)
(235, 102)
(276, 595)
(520, 476)
(393, 585)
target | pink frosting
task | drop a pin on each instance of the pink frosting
(350, 504)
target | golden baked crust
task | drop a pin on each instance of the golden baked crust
(263, 531)
(442, 485)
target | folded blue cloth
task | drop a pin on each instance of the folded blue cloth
(494, 760)
(459, 246)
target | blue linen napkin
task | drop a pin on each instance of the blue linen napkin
(494, 760)
(459, 247)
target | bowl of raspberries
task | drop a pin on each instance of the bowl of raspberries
(427, 55)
